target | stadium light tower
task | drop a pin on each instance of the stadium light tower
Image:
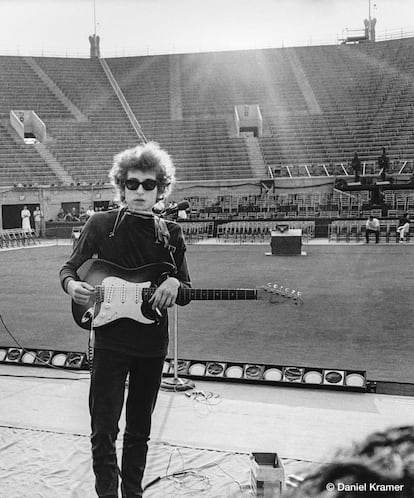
(371, 23)
(94, 17)
(94, 39)
(369, 19)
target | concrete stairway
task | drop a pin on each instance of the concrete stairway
(51, 85)
(303, 82)
(256, 161)
(176, 106)
(53, 164)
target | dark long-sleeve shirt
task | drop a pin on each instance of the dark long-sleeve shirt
(131, 245)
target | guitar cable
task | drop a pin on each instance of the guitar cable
(189, 480)
(91, 342)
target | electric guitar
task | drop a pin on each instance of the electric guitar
(125, 292)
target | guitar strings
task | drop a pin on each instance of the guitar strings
(104, 293)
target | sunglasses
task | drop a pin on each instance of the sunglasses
(133, 184)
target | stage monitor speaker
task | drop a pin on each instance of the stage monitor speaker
(286, 243)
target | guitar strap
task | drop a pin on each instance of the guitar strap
(119, 217)
(162, 236)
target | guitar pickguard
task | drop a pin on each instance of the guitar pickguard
(121, 299)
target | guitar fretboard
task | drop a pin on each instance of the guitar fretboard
(218, 294)
(193, 294)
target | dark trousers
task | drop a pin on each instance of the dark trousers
(368, 231)
(106, 399)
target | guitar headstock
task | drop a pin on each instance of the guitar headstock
(277, 294)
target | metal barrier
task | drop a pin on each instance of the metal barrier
(17, 237)
(195, 231)
(259, 231)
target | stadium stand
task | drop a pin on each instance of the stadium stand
(319, 106)
(363, 91)
(22, 89)
(21, 163)
(86, 148)
(202, 149)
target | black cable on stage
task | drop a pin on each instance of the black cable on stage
(183, 478)
(186, 478)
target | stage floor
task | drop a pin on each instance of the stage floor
(300, 426)
(51, 465)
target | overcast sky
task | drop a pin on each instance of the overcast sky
(138, 27)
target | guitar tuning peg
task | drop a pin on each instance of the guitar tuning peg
(276, 294)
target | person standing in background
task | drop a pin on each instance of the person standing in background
(25, 215)
(37, 216)
(356, 166)
(384, 164)
(90, 211)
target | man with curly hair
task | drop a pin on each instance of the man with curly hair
(130, 237)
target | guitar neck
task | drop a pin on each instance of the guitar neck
(218, 294)
(192, 294)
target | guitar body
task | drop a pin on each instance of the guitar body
(119, 293)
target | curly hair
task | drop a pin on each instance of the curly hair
(146, 157)
(383, 459)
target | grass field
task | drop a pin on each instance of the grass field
(357, 310)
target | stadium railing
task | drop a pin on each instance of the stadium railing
(196, 231)
(17, 237)
(259, 231)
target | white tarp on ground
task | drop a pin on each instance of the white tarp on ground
(44, 464)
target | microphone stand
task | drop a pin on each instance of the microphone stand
(176, 383)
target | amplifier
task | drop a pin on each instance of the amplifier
(286, 243)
